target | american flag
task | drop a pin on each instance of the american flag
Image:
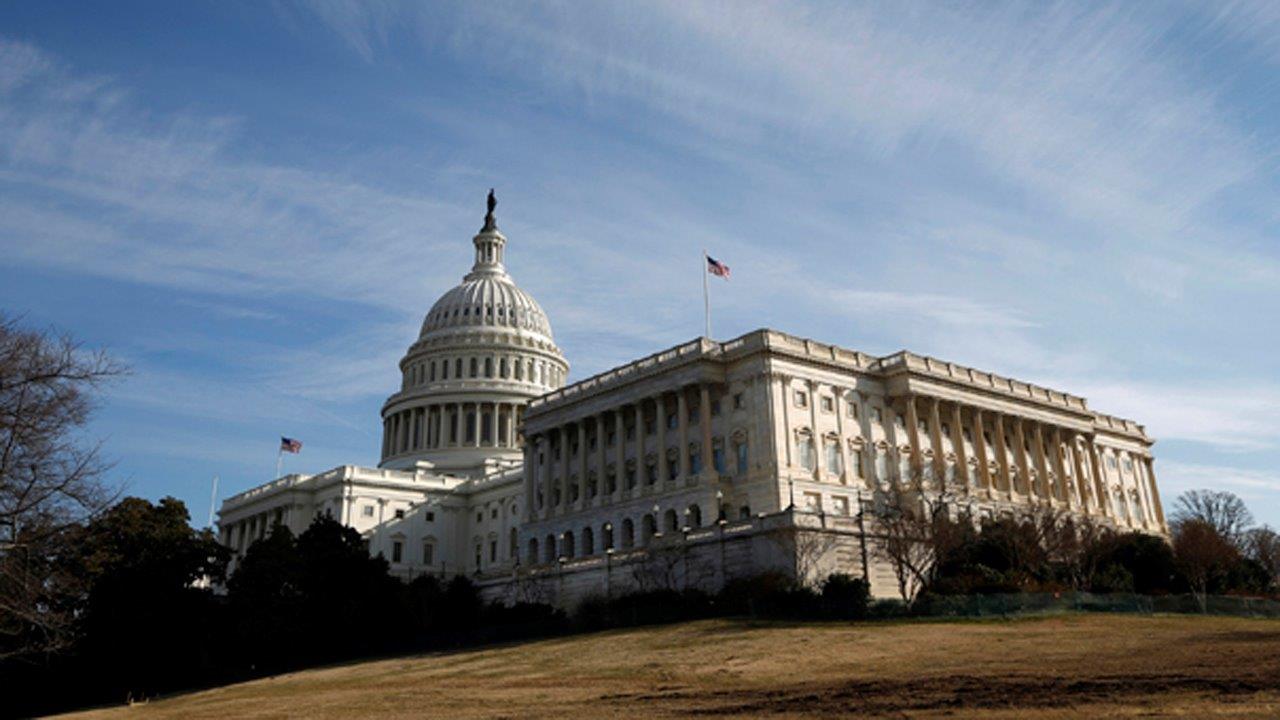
(290, 445)
(715, 267)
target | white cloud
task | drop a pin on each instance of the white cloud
(1231, 416)
(1178, 477)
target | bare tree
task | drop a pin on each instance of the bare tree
(1223, 511)
(919, 524)
(1203, 555)
(50, 478)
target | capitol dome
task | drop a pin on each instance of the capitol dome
(485, 350)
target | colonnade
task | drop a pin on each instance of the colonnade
(437, 426)
(1033, 459)
(586, 460)
(982, 451)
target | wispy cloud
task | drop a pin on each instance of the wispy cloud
(1253, 485)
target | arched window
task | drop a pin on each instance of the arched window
(432, 372)
(717, 455)
(693, 516)
(740, 452)
(588, 541)
(513, 545)
(519, 368)
(695, 459)
(670, 521)
(628, 534)
(457, 368)
(475, 366)
(488, 367)
(744, 512)
(502, 368)
(567, 547)
(550, 549)
(649, 528)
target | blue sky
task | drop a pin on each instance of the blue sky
(254, 204)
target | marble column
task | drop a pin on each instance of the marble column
(1023, 483)
(620, 452)
(582, 462)
(704, 417)
(1002, 455)
(962, 453)
(661, 424)
(939, 452)
(913, 435)
(837, 406)
(682, 422)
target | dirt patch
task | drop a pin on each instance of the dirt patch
(933, 693)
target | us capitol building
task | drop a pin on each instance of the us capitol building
(699, 463)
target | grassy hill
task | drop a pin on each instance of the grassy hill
(1054, 667)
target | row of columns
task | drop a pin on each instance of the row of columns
(1045, 456)
(1064, 452)
(586, 461)
(240, 534)
(445, 425)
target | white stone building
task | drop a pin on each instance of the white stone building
(690, 466)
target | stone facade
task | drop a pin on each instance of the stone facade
(699, 463)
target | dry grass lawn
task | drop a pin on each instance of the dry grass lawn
(1053, 667)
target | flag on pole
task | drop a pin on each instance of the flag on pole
(290, 445)
(715, 267)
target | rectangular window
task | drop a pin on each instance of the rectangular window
(841, 505)
(673, 421)
(828, 404)
(877, 414)
(851, 409)
(804, 452)
(400, 514)
(858, 467)
(802, 398)
(717, 456)
(651, 474)
(741, 451)
(833, 456)
(695, 460)
(367, 511)
(430, 516)
(812, 502)
(715, 407)
(493, 551)
(737, 401)
(397, 549)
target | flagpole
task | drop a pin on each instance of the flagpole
(706, 295)
(279, 460)
(213, 499)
